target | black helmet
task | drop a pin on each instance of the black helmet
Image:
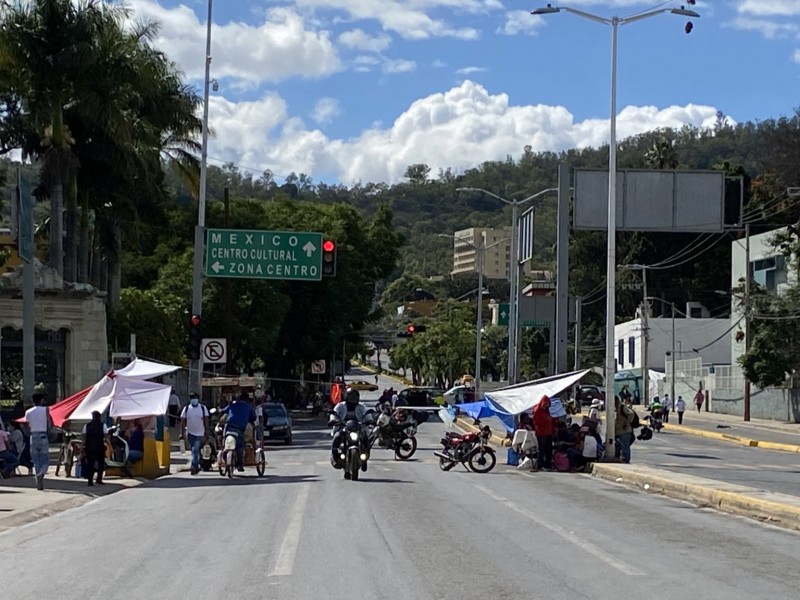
(352, 396)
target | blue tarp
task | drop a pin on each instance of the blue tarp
(487, 408)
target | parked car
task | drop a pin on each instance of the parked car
(279, 423)
(589, 393)
(420, 396)
(362, 386)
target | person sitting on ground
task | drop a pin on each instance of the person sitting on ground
(135, 446)
(9, 458)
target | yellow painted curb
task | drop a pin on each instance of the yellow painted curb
(735, 439)
(779, 509)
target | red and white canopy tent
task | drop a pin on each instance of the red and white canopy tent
(127, 394)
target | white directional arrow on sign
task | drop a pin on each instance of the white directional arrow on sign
(217, 266)
(504, 314)
(309, 248)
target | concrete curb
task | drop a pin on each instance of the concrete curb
(777, 509)
(735, 439)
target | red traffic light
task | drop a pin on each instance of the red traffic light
(195, 320)
(328, 245)
(410, 329)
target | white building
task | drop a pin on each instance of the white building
(769, 269)
(694, 338)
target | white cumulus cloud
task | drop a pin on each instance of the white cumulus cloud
(471, 70)
(459, 128)
(769, 8)
(521, 22)
(361, 40)
(326, 110)
(278, 48)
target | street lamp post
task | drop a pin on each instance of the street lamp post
(195, 367)
(513, 299)
(611, 264)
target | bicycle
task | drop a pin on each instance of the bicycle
(71, 448)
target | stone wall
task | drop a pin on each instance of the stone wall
(83, 315)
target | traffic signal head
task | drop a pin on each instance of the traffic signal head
(410, 329)
(195, 337)
(328, 258)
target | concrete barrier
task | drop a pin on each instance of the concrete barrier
(778, 509)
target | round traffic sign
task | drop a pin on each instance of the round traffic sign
(213, 351)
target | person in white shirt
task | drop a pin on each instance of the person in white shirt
(666, 405)
(680, 408)
(194, 423)
(173, 408)
(38, 418)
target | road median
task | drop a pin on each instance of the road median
(774, 508)
(732, 438)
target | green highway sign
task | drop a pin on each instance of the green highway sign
(535, 323)
(255, 254)
(502, 315)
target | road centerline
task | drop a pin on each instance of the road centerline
(284, 565)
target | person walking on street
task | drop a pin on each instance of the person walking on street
(173, 408)
(194, 424)
(545, 429)
(623, 430)
(38, 418)
(699, 398)
(94, 447)
(666, 406)
(680, 408)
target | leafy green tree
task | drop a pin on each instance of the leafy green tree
(150, 316)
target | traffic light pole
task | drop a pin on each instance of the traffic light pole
(195, 366)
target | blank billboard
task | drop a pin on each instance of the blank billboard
(650, 200)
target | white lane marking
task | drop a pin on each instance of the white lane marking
(618, 564)
(291, 539)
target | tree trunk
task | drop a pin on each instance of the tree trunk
(71, 227)
(56, 257)
(115, 268)
(83, 243)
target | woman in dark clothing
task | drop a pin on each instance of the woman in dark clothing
(95, 448)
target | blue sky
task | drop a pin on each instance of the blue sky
(355, 90)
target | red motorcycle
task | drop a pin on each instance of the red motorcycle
(472, 450)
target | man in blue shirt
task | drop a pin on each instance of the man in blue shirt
(237, 417)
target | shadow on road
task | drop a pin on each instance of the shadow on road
(238, 480)
(64, 485)
(382, 480)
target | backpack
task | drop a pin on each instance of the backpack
(635, 421)
(561, 462)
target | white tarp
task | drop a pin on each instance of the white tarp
(524, 396)
(655, 377)
(145, 369)
(134, 398)
(97, 399)
(128, 398)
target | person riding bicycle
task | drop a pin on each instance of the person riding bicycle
(349, 410)
(238, 415)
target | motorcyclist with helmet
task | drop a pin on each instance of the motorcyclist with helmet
(349, 410)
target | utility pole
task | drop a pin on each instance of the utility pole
(578, 306)
(479, 319)
(645, 341)
(227, 316)
(674, 365)
(747, 336)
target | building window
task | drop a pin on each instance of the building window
(632, 351)
(621, 353)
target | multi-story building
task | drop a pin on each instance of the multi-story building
(498, 251)
(769, 269)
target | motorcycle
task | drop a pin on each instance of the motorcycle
(469, 449)
(395, 432)
(118, 450)
(655, 419)
(353, 447)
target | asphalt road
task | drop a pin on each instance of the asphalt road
(406, 530)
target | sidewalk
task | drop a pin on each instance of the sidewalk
(760, 433)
